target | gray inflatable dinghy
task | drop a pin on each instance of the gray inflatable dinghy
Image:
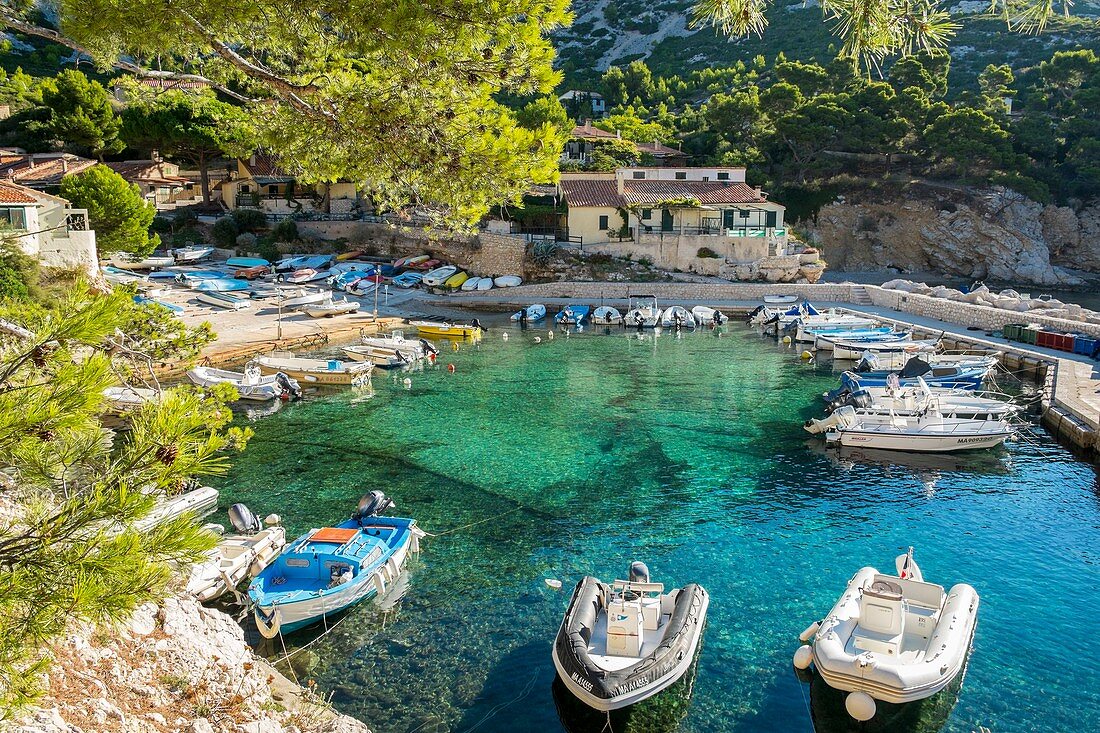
(622, 643)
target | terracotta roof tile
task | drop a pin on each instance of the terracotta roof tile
(148, 171)
(707, 192)
(48, 170)
(591, 192)
(591, 132)
(658, 150)
(265, 165)
(12, 194)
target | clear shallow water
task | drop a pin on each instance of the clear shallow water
(578, 455)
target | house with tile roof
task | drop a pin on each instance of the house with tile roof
(674, 216)
(46, 227)
(159, 182)
(259, 182)
(585, 138)
(41, 171)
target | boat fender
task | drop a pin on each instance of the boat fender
(505, 336)
(379, 583)
(787, 340)
(538, 339)
(553, 583)
(550, 335)
(454, 346)
(451, 368)
(803, 655)
(809, 631)
(806, 356)
(408, 383)
(860, 706)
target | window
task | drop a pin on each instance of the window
(706, 178)
(245, 188)
(647, 214)
(273, 190)
(723, 176)
(638, 175)
(14, 218)
(603, 223)
(681, 175)
(743, 213)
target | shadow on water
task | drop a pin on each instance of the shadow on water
(510, 693)
(923, 716)
(661, 713)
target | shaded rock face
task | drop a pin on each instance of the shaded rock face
(993, 234)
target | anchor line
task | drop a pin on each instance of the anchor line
(473, 524)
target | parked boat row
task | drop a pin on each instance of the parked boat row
(646, 314)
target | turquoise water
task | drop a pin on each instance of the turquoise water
(577, 455)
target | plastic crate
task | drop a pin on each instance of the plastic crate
(1064, 342)
(1011, 331)
(1045, 339)
(1028, 335)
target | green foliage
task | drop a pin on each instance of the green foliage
(632, 127)
(246, 241)
(225, 231)
(118, 213)
(249, 220)
(75, 551)
(969, 142)
(706, 253)
(611, 154)
(18, 271)
(81, 115)
(545, 111)
(285, 231)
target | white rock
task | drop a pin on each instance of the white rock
(144, 620)
(200, 725)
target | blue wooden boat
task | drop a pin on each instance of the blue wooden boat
(143, 300)
(244, 262)
(408, 279)
(342, 279)
(222, 284)
(330, 569)
(196, 276)
(945, 376)
(572, 315)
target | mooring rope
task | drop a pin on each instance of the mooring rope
(474, 524)
(497, 708)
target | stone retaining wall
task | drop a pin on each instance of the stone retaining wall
(969, 314)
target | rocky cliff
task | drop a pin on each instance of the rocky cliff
(175, 667)
(993, 234)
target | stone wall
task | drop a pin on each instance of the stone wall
(968, 314)
(678, 291)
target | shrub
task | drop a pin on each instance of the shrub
(225, 231)
(249, 220)
(266, 249)
(285, 231)
(707, 253)
(246, 241)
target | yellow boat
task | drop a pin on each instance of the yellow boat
(438, 329)
(455, 281)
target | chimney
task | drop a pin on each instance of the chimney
(252, 159)
(32, 160)
(618, 135)
(759, 193)
(588, 122)
(64, 166)
(620, 177)
(154, 155)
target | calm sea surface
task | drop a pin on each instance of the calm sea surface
(578, 455)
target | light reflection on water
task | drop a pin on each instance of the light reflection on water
(588, 451)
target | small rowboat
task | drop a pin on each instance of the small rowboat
(507, 281)
(331, 307)
(456, 280)
(606, 315)
(229, 301)
(316, 371)
(470, 284)
(439, 275)
(237, 557)
(439, 329)
(250, 384)
(247, 262)
(780, 299)
(532, 313)
(192, 253)
(251, 273)
(221, 285)
(408, 279)
(572, 315)
(133, 262)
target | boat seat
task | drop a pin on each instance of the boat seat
(624, 628)
(881, 625)
(333, 535)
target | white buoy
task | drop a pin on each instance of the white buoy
(273, 520)
(550, 335)
(505, 335)
(407, 382)
(553, 583)
(809, 632)
(860, 706)
(803, 655)
(538, 339)
(787, 340)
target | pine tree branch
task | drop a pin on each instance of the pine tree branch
(51, 35)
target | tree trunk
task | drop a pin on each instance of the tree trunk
(204, 178)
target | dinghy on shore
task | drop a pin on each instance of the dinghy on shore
(229, 301)
(330, 569)
(192, 253)
(891, 638)
(197, 502)
(622, 643)
(238, 556)
(330, 307)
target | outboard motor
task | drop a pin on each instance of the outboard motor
(430, 349)
(752, 314)
(372, 504)
(860, 399)
(243, 520)
(638, 572)
(835, 397)
(476, 322)
(289, 386)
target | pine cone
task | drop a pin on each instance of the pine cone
(38, 358)
(167, 454)
(45, 435)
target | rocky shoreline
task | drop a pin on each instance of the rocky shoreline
(175, 667)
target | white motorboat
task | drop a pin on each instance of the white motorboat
(606, 315)
(872, 362)
(123, 399)
(129, 261)
(919, 398)
(192, 253)
(625, 642)
(316, 371)
(507, 281)
(825, 340)
(239, 556)
(780, 299)
(813, 326)
(439, 275)
(928, 432)
(229, 301)
(643, 316)
(705, 316)
(532, 313)
(891, 638)
(251, 384)
(362, 287)
(380, 356)
(330, 307)
(677, 316)
(854, 350)
(412, 349)
(197, 502)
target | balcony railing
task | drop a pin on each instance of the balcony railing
(76, 221)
